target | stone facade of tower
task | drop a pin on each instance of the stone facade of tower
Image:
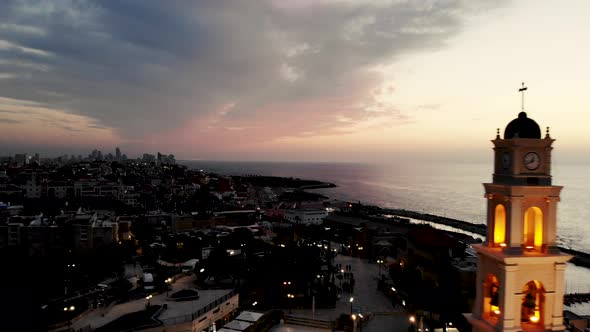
(520, 277)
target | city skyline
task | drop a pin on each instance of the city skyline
(332, 80)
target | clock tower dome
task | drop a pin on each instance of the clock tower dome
(520, 276)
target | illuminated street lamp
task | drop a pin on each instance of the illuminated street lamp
(380, 261)
(351, 300)
(168, 285)
(291, 296)
(66, 309)
(147, 300)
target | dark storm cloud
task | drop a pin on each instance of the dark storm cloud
(149, 66)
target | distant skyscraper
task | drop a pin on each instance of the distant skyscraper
(148, 158)
(118, 154)
(171, 159)
(21, 159)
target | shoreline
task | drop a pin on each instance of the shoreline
(580, 258)
(323, 185)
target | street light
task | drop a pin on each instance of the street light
(380, 261)
(147, 300)
(168, 285)
(351, 300)
(66, 309)
(291, 296)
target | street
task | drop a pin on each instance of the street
(366, 299)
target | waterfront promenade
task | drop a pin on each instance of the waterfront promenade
(367, 300)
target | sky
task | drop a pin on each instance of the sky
(291, 80)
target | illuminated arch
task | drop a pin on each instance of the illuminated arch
(532, 305)
(499, 225)
(533, 228)
(491, 300)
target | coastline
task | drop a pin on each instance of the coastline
(580, 258)
(323, 185)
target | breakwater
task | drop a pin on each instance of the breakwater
(463, 225)
(580, 258)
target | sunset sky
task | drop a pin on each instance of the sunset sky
(291, 80)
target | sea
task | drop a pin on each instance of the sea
(449, 189)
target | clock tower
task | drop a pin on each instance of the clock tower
(520, 275)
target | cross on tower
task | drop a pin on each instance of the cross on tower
(522, 90)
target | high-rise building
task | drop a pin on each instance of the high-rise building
(520, 276)
(171, 160)
(21, 159)
(118, 154)
(148, 158)
(93, 155)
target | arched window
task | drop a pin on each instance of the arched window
(499, 225)
(532, 306)
(533, 228)
(491, 299)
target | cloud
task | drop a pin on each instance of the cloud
(9, 121)
(157, 69)
(26, 121)
(5, 76)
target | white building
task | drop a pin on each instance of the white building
(306, 216)
(96, 188)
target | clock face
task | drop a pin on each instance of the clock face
(505, 160)
(532, 161)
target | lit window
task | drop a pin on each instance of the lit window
(500, 225)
